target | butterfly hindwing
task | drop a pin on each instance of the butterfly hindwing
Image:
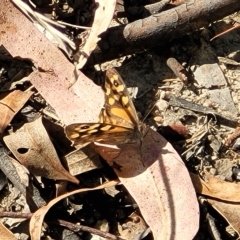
(94, 132)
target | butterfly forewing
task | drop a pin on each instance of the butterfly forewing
(118, 104)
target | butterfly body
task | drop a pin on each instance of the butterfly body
(118, 120)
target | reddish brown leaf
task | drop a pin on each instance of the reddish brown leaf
(24, 40)
(161, 187)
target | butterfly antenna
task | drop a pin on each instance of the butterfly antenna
(149, 111)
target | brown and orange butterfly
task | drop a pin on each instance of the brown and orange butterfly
(118, 120)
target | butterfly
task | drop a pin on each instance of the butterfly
(118, 119)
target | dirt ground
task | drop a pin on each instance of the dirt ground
(197, 114)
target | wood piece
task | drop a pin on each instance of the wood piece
(178, 69)
(222, 118)
(160, 28)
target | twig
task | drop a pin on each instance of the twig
(77, 228)
(232, 137)
(71, 226)
(226, 31)
(15, 215)
(73, 25)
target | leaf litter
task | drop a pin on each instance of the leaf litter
(63, 94)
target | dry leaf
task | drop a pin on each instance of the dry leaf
(37, 218)
(162, 188)
(11, 103)
(226, 198)
(61, 187)
(32, 147)
(82, 160)
(53, 82)
(102, 18)
(215, 187)
(84, 96)
(5, 233)
(230, 211)
(51, 29)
